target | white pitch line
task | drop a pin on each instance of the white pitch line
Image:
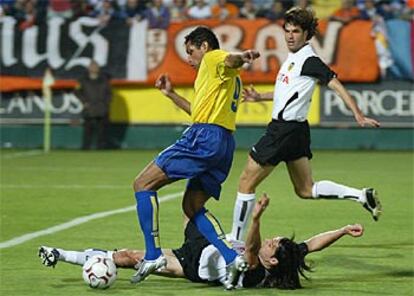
(75, 222)
(22, 154)
(72, 186)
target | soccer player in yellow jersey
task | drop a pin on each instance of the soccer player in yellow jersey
(203, 154)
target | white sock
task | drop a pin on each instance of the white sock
(241, 214)
(331, 190)
(79, 258)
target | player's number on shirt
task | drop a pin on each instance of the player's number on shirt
(236, 95)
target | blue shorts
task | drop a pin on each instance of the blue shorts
(203, 154)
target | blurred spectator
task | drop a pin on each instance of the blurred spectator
(248, 11)
(394, 8)
(263, 4)
(288, 4)
(26, 14)
(407, 11)
(265, 9)
(324, 9)
(133, 10)
(18, 10)
(199, 10)
(223, 10)
(94, 3)
(302, 4)
(79, 8)
(208, 2)
(276, 12)
(94, 91)
(158, 15)
(371, 8)
(120, 3)
(367, 9)
(105, 12)
(178, 11)
(7, 7)
(59, 8)
(347, 13)
(379, 32)
(168, 3)
(386, 5)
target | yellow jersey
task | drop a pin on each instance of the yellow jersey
(217, 91)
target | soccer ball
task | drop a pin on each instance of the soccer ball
(99, 272)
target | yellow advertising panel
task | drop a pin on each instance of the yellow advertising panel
(150, 106)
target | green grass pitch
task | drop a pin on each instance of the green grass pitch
(40, 191)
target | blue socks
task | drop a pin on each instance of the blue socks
(147, 211)
(208, 225)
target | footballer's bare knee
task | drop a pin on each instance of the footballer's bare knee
(188, 211)
(193, 202)
(143, 183)
(151, 178)
(139, 184)
(304, 193)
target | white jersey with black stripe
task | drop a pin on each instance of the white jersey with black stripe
(212, 264)
(295, 83)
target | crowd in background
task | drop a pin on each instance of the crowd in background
(160, 13)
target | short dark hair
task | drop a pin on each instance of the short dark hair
(202, 34)
(304, 18)
(291, 264)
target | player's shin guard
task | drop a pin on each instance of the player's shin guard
(147, 210)
(208, 225)
(331, 190)
(241, 214)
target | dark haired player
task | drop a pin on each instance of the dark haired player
(203, 154)
(287, 137)
(274, 263)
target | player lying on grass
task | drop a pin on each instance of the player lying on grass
(274, 263)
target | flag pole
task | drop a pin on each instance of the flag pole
(48, 81)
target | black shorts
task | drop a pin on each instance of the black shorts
(189, 253)
(283, 141)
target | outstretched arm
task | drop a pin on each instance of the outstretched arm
(253, 240)
(236, 60)
(341, 91)
(251, 95)
(323, 240)
(163, 83)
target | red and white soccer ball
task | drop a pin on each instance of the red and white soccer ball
(99, 272)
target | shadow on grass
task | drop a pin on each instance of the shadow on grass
(341, 291)
(393, 246)
(359, 262)
(401, 273)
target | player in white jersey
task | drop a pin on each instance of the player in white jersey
(287, 137)
(274, 263)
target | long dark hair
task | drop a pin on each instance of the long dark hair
(285, 275)
(201, 34)
(304, 18)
